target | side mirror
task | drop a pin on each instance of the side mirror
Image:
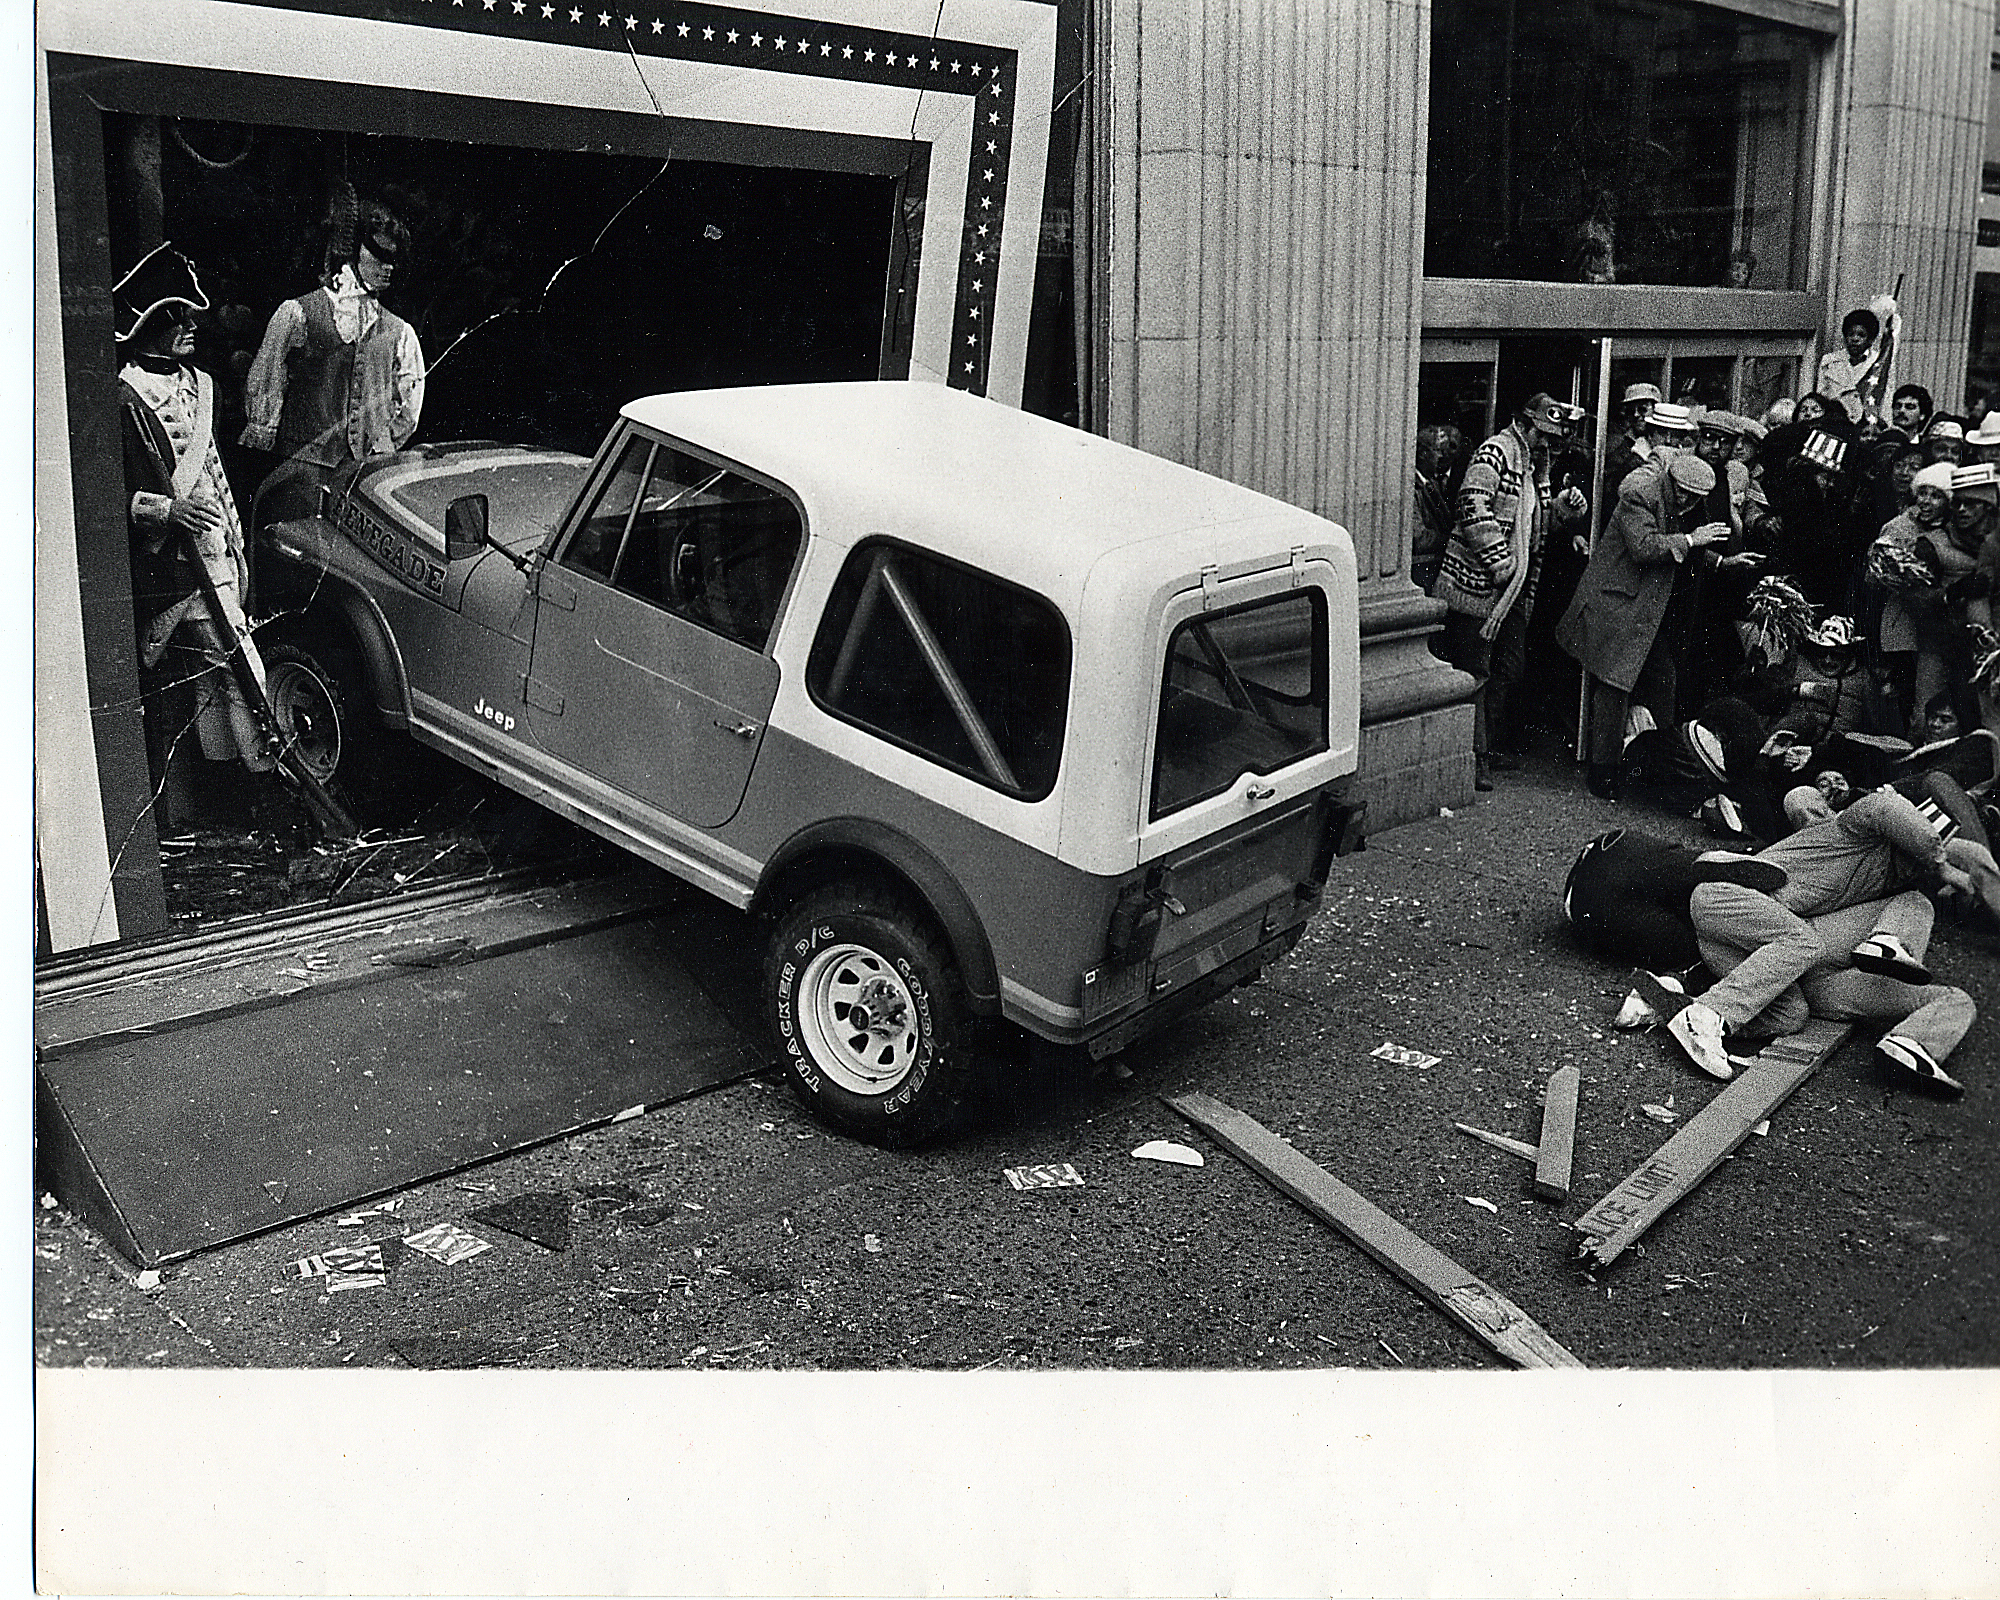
(465, 527)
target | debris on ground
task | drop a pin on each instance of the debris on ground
(1166, 1150)
(539, 1218)
(1500, 1141)
(1483, 1203)
(1660, 1113)
(1398, 1056)
(870, 1242)
(427, 953)
(1472, 1304)
(1057, 1175)
(447, 1244)
(346, 1258)
(360, 1219)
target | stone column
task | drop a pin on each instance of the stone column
(1265, 256)
(1910, 136)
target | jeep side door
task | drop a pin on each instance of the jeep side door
(648, 666)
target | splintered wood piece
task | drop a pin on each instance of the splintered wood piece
(1558, 1135)
(1499, 1141)
(1478, 1308)
(1611, 1226)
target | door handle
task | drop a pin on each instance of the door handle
(742, 730)
(1257, 793)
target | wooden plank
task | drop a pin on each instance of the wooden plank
(1558, 1145)
(1612, 1225)
(1482, 1311)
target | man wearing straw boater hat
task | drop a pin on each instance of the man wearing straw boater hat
(179, 506)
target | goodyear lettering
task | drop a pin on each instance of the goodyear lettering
(391, 549)
(493, 714)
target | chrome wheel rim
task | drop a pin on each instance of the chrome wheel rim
(308, 720)
(858, 1018)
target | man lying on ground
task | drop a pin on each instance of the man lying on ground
(1844, 938)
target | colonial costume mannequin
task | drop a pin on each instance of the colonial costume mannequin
(182, 516)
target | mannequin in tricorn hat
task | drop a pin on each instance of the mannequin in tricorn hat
(179, 505)
(339, 376)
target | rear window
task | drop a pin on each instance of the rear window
(1245, 691)
(963, 669)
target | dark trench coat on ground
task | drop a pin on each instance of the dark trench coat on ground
(1622, 597)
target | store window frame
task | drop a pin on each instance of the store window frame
(1819, 23)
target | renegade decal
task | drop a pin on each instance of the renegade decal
(392, 549)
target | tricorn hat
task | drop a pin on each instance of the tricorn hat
(163, 278)
(382, 232)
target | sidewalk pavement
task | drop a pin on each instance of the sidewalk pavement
(1444, 937)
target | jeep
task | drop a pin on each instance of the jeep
(989, 720)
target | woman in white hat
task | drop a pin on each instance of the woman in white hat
(1903, 566)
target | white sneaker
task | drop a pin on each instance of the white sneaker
(1697, 1029)
(1912, 1058)
(1638, 1012)
(1885, 955)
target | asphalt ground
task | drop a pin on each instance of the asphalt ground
(729, 1233)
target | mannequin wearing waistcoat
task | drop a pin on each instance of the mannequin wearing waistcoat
(338, 377)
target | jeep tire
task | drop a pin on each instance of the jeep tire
(311, 710)
(867, 1006)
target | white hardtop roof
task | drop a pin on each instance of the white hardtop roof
(978, 480)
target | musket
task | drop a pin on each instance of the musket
(329, 812)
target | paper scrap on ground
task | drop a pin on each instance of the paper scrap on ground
(446, 1243)
(337, 1282)
(1059, 1175)
(356, 1219)
(1167, 1150)
(359, 1258)
(1484, 1205)
(1396, 1055)
(1661, 1113)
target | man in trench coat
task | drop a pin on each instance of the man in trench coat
(1621, 624)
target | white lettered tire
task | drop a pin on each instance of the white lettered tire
(866, 1004)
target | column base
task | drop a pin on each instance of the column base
(1416, 714)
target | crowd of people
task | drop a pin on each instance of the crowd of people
(1783, 624)
(1781, 611)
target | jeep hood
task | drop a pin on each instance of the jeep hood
(527, 490)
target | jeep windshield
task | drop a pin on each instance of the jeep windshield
(1245, 691)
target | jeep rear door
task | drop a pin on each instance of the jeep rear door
(649, 668)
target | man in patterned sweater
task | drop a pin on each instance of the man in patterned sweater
(179, 508)
(1492, 561)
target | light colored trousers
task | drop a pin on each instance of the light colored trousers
(1777, 968)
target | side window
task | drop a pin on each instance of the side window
(961, 668)
(692, 538)
(594, 547)
(1244, 691)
